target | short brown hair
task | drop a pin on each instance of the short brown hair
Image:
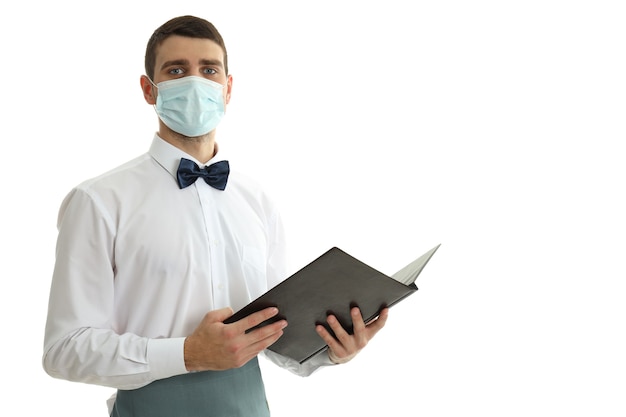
(189, 26)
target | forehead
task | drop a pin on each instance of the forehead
(194, 50)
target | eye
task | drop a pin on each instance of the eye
(176, 71)
(209, 71)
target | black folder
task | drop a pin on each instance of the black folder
(332, 283)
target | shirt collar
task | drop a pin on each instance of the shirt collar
(168, 155)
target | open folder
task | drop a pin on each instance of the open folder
(331, 284)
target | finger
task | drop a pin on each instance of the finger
(340, 333)
(328, 338)
(218, 315)
(259, 339)
(360, 333)
(255, 319)
(269, 331)
(374, 326)
(357, 320)
(262, 338)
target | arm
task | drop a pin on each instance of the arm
(80, 341)
(85, 339)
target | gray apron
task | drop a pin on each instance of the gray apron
(232, 393)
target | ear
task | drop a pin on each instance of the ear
(229, 88)
(149, 90)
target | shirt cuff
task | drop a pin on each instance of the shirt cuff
(305, 369)
(166, 357)
(321, 359)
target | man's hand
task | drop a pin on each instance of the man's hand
(346, 346)
(215, 346)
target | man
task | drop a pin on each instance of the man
(150, 262)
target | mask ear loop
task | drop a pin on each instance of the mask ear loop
(154, 106)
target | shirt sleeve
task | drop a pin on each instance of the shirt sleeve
(301, 369)
(80, 342)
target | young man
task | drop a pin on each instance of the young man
(151, 261)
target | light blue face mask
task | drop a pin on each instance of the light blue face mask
(192, 106)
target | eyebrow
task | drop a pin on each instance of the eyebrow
(174, 62)
(212, 62)
(186, 62)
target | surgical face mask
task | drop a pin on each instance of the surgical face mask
(192, 106)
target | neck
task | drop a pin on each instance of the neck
(203, 148)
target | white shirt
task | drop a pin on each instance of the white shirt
(139, 262)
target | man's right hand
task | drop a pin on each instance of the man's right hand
(215, 346)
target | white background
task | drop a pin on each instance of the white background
(495, 128)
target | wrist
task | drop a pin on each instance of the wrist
(189, 356)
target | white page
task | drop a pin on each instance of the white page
(409, 273)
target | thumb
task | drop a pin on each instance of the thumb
(218, 315)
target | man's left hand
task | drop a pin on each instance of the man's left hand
(346, 346)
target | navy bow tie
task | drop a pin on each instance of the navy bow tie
(216, 175)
